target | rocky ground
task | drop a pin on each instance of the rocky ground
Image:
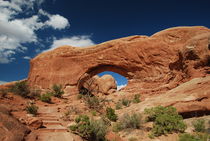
(52, 121)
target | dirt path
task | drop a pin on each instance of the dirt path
(54, 130)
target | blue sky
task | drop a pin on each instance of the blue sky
(29, 27)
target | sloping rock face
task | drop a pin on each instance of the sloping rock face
(151, 64)
(10, 128)
(191, 99)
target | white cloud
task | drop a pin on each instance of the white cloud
(75, 41)
(57, 22)
(121, 86)
(14, 32)
(2, 82)
(27, 57)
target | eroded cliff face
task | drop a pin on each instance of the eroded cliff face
(156, 63)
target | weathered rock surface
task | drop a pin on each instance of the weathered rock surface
(190, 99)
(151, 64)
(10, 128)
(105, 84)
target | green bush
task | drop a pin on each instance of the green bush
(110, 113)
(132, 139)
(128, 121)
(89, 129)
(46, 97)
(94, 113)
(21, 88)
(92, 102)
(166, 120)
(57, 90)
(126, 102)
(198, 137)
(136, 98)
(118, 105)
(199, 125)
(32, 109)
(154, 112)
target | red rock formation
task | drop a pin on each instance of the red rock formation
(156, 63)
(10, 128)
(191, 99)
(105, 84)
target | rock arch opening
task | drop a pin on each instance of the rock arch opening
(103, 79)
(121, 81)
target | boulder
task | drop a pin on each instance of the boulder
(34, 122)
(105, 84)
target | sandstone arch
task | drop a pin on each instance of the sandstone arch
(148, 62)
(101, 68)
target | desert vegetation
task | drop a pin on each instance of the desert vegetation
(21, 88)
(199, 125)
(133, 121)
(32, 109)
(194, 137)
(46, 97)
(110, 113)
(57, 90)
(166, 120)
(89, 129)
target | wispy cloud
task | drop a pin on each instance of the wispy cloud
(75, 41)
(14, 32)
(2, 82)
(121, 86)
(27, 57)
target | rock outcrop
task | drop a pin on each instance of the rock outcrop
(191, 99)
(151, 64)
(105, 85)
(10, 128)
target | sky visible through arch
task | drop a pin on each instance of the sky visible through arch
(29, 27)
(121, 80)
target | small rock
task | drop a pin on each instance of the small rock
(35, 123)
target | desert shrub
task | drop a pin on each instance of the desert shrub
(32, 109)
(71, 110)
(166, 120)
(198, 137)
(46, 97)
(132, 139)
(154, 112)
(128, 121)
(93, 113)
(118, 105)
(21, 88)
(199, 125)
(136, 98)
(57, 90)
(89, 129)
(126, 102)
(93, 102)
(110, 113)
